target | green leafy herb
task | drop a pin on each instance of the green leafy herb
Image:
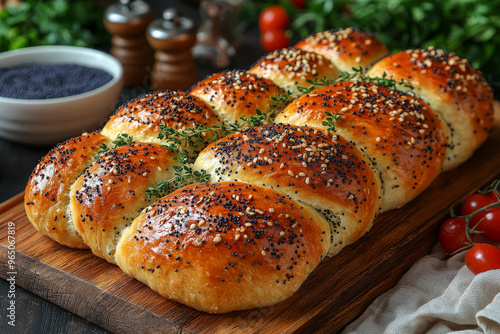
(195, 137)
(184, 175)
(331, 120)
(358, 74)
(255, 120)
(280, 100)
(121, 140)
(61, 22)
(315, 84)
(103, 149)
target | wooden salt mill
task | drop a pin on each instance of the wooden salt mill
(128, 21)
(173, 38)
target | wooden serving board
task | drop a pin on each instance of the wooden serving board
(336, 293)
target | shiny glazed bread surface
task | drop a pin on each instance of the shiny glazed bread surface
(405, 140)
(143, 116)
(110, 194)
(235, 94)
(291, 68)
(453, 88)
(322, 170)
(222, 247)
(346, 48)
(46, 195)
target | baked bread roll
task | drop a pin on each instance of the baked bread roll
(292, 67)
(110, 194)
(346, 48)
(46, 196)
(223, 247)
(453, 88)
(236, 94)
(403, 137)
(324, 171)
(143, 116)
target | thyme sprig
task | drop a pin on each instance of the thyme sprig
(280, 100)
(192, 137)
(358, 74)
(316, 84)
(331, 120)
(121, 140)
(253, 120)
(196, 137)
(183, 175)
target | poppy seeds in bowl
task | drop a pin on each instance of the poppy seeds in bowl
(48, 81)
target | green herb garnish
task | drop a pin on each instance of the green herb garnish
(358, 74)
(280, 100)
(121, 140)
(315, 84)
(331, 120)
(53, 22)
(184, 175)
(194, 137)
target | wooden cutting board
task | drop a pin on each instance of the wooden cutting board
(335, 294)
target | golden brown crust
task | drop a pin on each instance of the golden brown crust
(399, 132)
(223, 247)
(47, 192)
(330, 174)
(143, 116)
(237, 93)
(108, 196)
(292, 67)
(453, 88)
(346, 48)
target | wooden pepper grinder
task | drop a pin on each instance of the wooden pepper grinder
(127, 21)
(173, 38)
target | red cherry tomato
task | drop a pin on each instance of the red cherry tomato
(474, 203)
(482, 257)
(488, 222)
(452, 235)
(494, 196)
(272, 18)
(274, 39)
(299, 3)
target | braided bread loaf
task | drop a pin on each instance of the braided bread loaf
(279, 197)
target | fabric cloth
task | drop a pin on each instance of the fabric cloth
(439, 294)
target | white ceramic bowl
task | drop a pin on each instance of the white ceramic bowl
(49, 121)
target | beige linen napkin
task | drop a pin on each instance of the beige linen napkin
(437, 295)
